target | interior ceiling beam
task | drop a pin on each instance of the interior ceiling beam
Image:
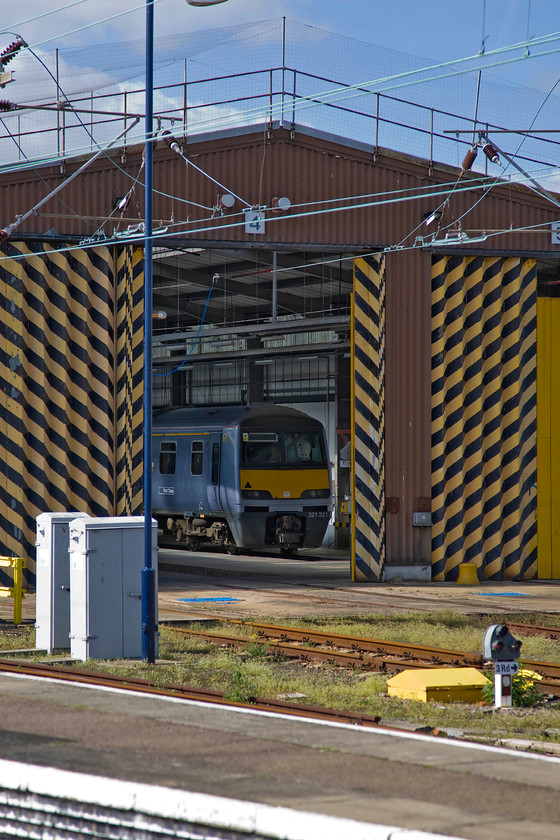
(324, 350)
(201, 276)
(292, 326)
(290, 303)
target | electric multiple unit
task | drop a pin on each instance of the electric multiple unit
(243, 477)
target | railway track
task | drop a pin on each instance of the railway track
(151, 688)
(379, 655)
(535, 630)
(363, 653)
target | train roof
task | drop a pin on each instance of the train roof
(232, 415)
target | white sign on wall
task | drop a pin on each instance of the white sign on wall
(555, 233)
(254, 221)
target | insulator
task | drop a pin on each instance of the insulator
(491, 153)
(6, 106)
(170, 140)
(11, 51)
(470, 158)
(3, 235)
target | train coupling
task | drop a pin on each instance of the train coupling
(289, 530)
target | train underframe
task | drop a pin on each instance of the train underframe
(285, 531)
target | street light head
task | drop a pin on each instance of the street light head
(205, 2)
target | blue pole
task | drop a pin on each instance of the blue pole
(149, 628)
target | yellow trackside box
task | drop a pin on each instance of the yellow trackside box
(444, 685)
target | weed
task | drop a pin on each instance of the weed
(257, 650)
(242, 690)
(525, 691)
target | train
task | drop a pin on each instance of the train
(242, 477)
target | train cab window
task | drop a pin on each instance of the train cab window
(167, 457)
(303, 448)
(215, 462)
(260, 449)
(197, 457)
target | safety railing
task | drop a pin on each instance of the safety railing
(17, 592)
(274, 96)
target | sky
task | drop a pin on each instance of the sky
(436, 29)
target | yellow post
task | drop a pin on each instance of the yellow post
(16, 591)
(17, 565)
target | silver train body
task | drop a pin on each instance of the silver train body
(242, 477)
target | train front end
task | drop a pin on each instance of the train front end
(285, 484)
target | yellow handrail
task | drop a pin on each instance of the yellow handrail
(17, 592)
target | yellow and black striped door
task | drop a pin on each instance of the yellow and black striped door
(484, 416)
(68, 349)
(368, 419)
(129, 380)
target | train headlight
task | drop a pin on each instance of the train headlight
(256, 494)
(323, 493)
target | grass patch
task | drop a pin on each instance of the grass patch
(16, 638)
(243, 675)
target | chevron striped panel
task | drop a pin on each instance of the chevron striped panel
(484, 416)
(57, 379)
(129, 396)
(368, 421)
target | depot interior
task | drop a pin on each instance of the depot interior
(252, 325)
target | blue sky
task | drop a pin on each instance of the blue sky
(436, 29)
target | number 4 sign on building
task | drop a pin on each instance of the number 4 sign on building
(254, 221)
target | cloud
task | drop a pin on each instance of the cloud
(48, 20)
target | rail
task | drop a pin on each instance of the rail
(356, 652)
(17, 592)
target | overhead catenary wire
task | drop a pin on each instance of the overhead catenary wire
(102, 151)
(530, 183)
(10, 227)
(78, 29)
(215, 277)
(174, 146)
(221, 226)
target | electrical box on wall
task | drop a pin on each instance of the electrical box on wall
(106, 562)
(421, 519)
(52, 605)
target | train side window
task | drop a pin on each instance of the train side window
(215, 462)
(167, 457)
(197, 457)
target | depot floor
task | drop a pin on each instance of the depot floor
(319, 584)
(316, 583)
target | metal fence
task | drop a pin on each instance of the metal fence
(54, 131)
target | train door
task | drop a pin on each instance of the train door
(214, 458)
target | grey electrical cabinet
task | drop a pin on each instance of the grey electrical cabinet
(106, 562)
(52, 610)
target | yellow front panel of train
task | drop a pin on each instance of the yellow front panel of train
(284, 484)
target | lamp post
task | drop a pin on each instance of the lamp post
(149, 594)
